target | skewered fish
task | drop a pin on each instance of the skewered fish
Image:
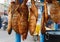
(44, 18)
(55, 12)
(9, 29)
(43, 30)
(33, 17)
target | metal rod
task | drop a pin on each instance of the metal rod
(42, 37)
(17, 37)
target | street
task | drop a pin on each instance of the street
(4, 37)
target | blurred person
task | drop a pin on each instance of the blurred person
(4, 21)
(0, 22)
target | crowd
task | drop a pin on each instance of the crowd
(3, 21)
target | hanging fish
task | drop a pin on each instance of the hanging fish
(33, 17)
(18, 18)
(24, 12)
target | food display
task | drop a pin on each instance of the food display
(23, 18)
